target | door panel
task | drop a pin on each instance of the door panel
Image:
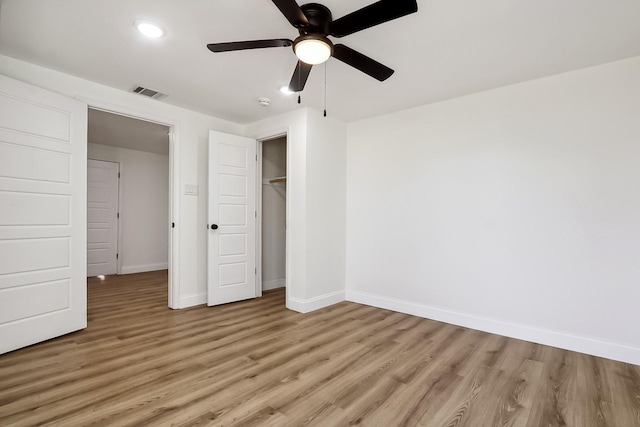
(43, 152)
(33, 209)
(25, 255)
(232, 205)
(102, 217)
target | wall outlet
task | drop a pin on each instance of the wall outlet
(190, 190)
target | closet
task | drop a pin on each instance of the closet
(274, 202)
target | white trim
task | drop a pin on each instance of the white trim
(175, 126)
(562, 340)
(120, 206)
(322, 301)
(191, 300)
(259, 285)
(174, 215)
(273, 284)
(130, 269)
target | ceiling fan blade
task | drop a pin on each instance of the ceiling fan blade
(292, 11)
(251, 44)
(362, 62)
(300, 76)
(369, 16)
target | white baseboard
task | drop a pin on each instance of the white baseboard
(307, 305)
(191, 300)
(130, 269)
(273, 284)
(580, 344)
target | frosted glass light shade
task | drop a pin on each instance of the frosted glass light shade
(312, 51)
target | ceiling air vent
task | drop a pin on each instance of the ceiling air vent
(148, 92)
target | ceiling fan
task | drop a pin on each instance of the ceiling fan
(315, 23)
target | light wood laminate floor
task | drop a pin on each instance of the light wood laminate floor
(256, 363)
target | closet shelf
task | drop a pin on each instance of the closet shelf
(278, 179)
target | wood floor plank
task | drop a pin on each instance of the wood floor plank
(255, 363)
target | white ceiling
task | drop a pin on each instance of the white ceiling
(447, 49)
(125, 132)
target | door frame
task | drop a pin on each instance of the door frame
(174, 185)
(260, 141)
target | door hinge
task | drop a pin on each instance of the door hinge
(173, 225)
(256, 214)
(117, 256)
(256, 157)
(118, 175)
(255, 270)
(118, 215)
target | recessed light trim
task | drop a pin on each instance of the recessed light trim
(149, 29)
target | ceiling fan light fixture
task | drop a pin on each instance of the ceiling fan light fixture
(313, 50)
(315, 24)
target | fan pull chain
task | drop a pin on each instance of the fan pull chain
(299, 100)
(325, 89)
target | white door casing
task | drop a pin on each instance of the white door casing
(232, 208)
(102, 217)
(43, 183)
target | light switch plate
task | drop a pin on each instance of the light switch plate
(190, 190)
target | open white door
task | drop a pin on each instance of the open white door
(232, 218)
(102, 217)
(43, 183)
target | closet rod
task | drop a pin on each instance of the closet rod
(278, 179)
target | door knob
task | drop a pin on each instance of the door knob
(214, 226)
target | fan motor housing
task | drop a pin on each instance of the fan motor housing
(319, 17)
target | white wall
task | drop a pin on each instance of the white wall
(274, 164)
(326, 207)
(144, 206)
(316, 211)
(190, 155)
(515, 211)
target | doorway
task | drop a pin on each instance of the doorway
(140, 150)
(273, 229)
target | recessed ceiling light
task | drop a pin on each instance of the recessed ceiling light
(149, 29)
(286, 90)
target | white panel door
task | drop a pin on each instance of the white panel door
(102, 217)
(232, 218)
(43, 185)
